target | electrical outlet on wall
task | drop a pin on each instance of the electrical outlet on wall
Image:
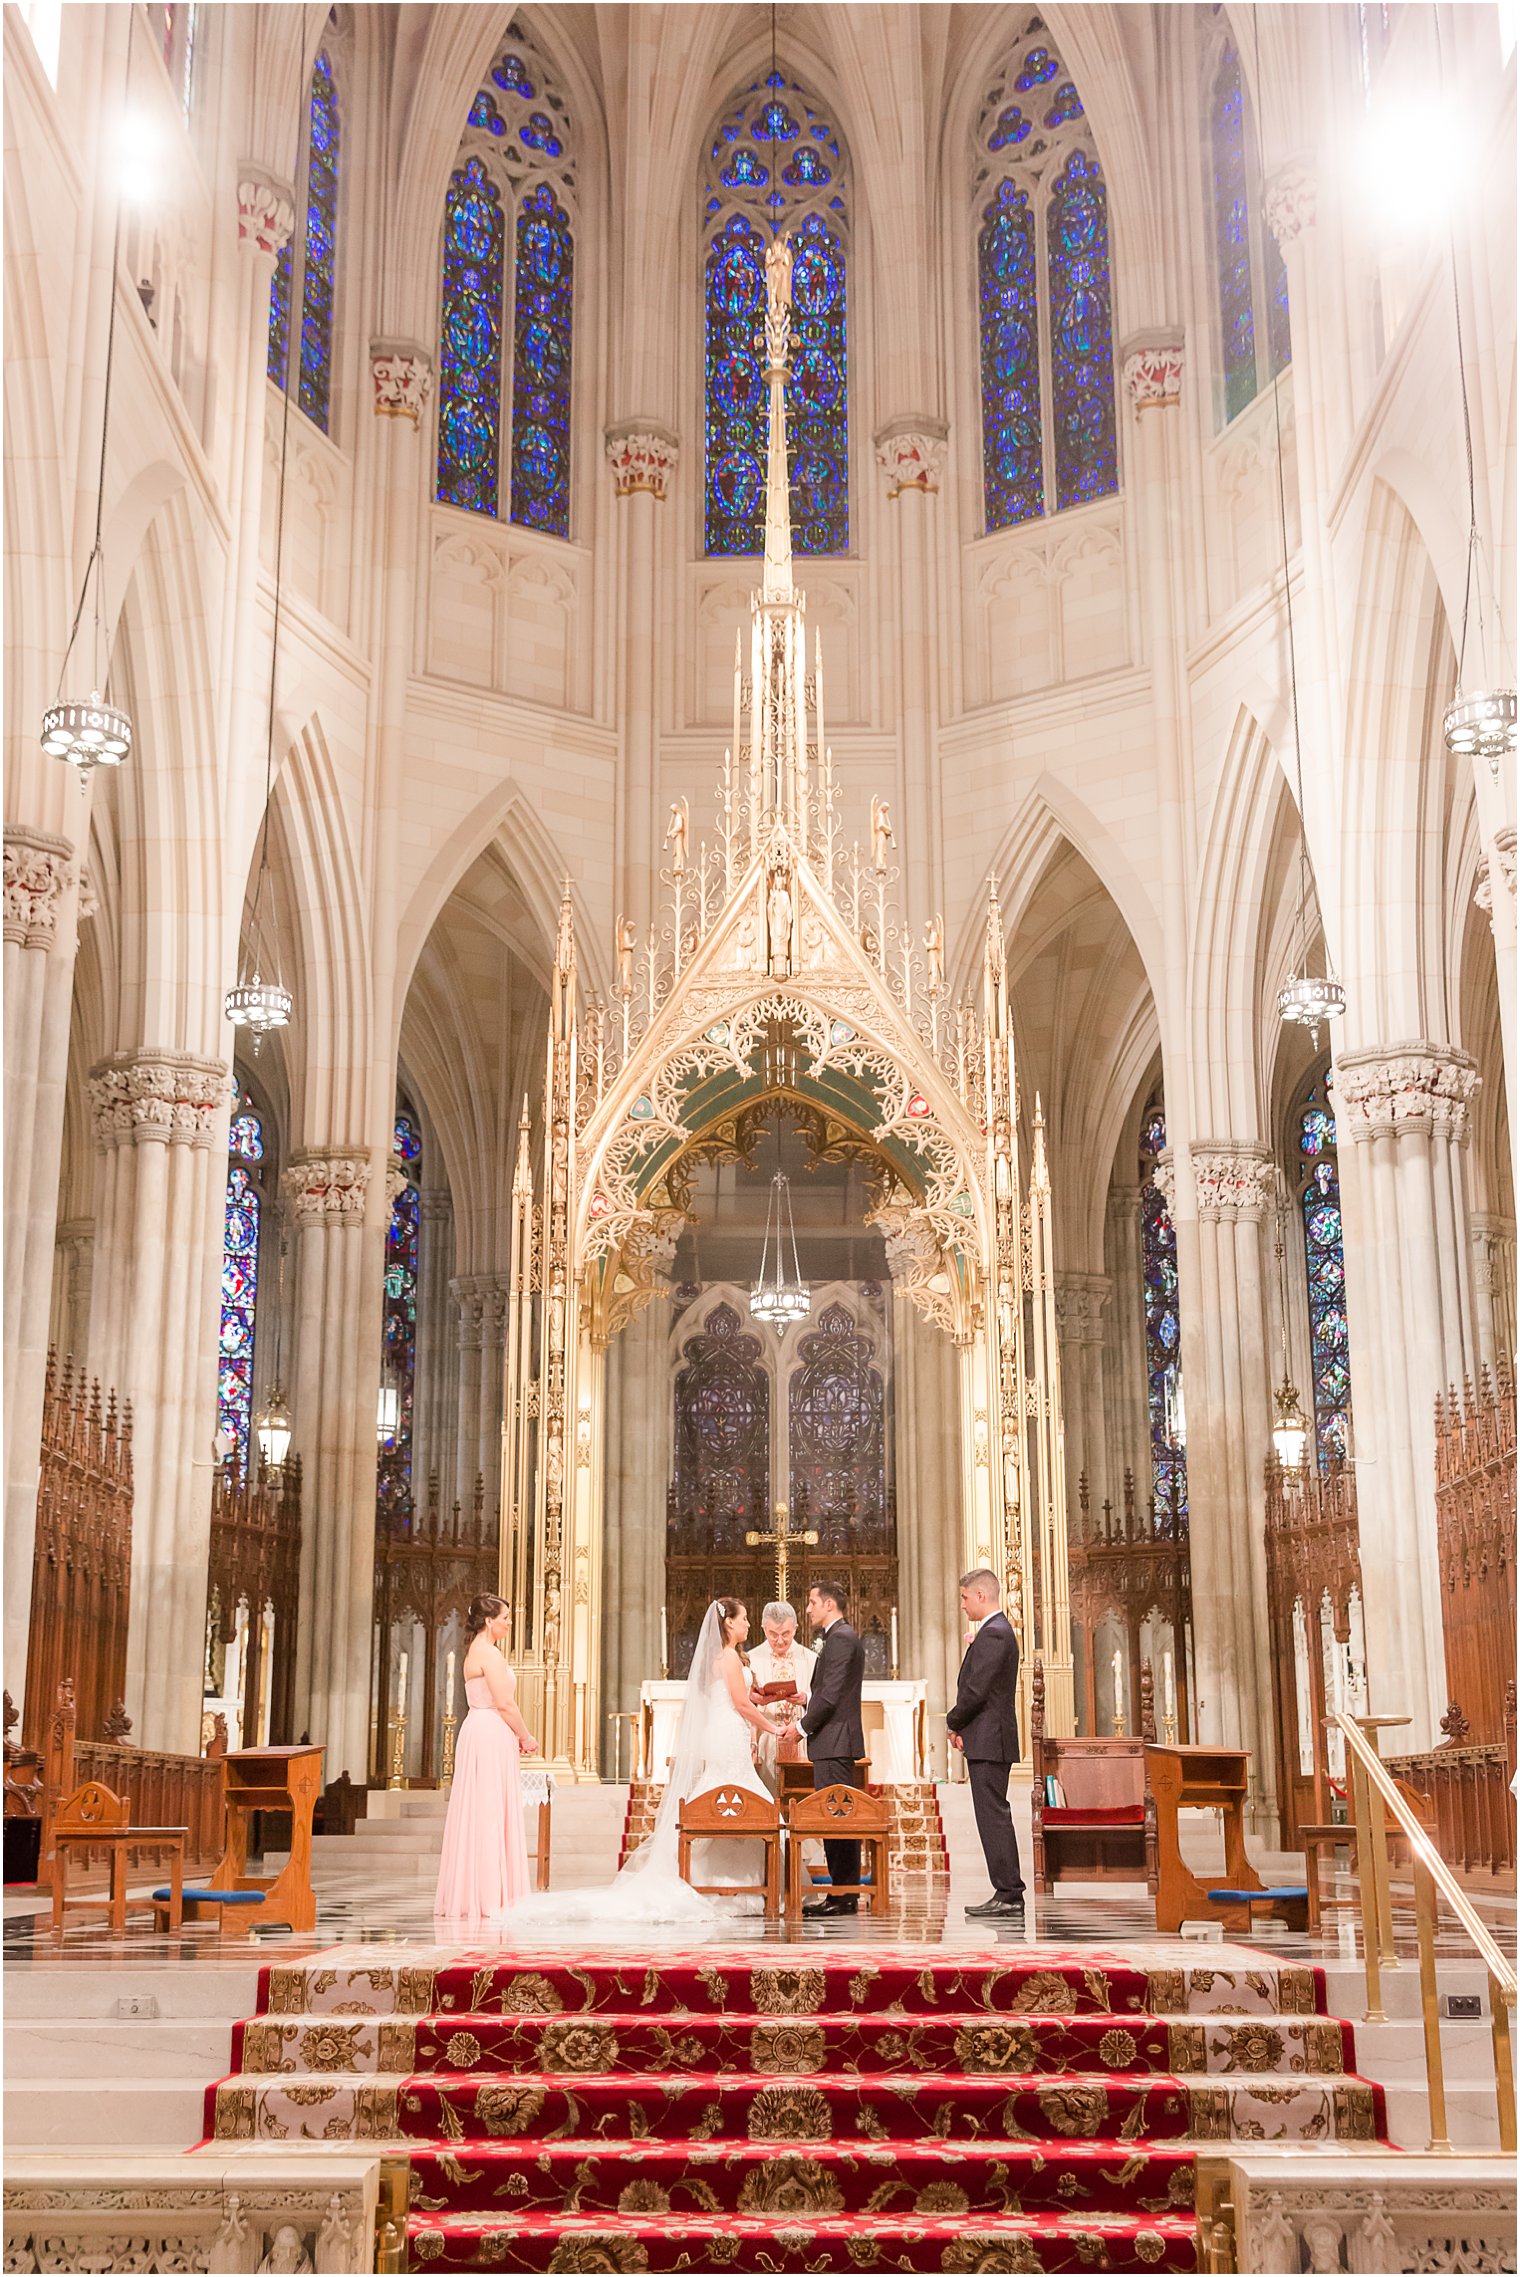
(136, 2004)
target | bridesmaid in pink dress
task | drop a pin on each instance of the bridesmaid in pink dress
(484, 1866)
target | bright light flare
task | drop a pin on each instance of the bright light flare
(138, 158)
(1412, 163)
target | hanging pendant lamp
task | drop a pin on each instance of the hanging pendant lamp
(780, 1296)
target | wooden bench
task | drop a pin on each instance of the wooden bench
(95, 1819)
(1105, 1831)
(729, 1814)
(839, 1814)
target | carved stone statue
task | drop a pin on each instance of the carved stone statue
(881, 834)
(676, 835)
(287, 2256)
(778, 923)
(626, 940)
(934, 950)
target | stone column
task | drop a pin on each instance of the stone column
(41, 926)
(1404, 1108)
(265, 217)
(1082, 1305)
(911, 454)
(643, 457)
(1493, 1243)
(926, 1405)
(1229, 1415)
(161, 1121)
(335, 1378)
(74, 1254)
(468, 1293)
(640, 1410)
(433, 1439)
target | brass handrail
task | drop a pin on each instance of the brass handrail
(1375, 1793)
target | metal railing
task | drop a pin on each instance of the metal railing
(1375, 1801)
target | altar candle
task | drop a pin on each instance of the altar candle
(664, 1644)
(401, 1689)
(894, 1640)
(1118, 1676)
(1168, 1687)
(448, 1686)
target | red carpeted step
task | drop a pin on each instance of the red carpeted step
(941, 2242)
(597, 2175)
(848, 1984)
(892, 2107)
(887, 2041)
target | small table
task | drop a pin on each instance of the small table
(120, 1841)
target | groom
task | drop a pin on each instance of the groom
(832, 1726)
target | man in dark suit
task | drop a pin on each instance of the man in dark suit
(984, 1725)
(832, 1727)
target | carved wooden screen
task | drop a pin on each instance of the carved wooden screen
(840, 1475)
(721, 1487)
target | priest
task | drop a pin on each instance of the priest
(781, 1670)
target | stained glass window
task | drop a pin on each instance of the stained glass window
(1044, 293)
(541, 364)
(1248, 262)
(1081, 346)
(514, 184)
(776, 164)
(310, 283)
(241, 1216)
(398, 1317)
(1163, 1327)
(721, 1486)
(1325, 1270)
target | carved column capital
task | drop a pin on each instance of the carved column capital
(1081, 1301)
(435, 1204)
(402, 375)
(1153, 366)
(1233, 1178)
(911, 454)
(328, 1189)
(1499, 863)
(1290, 202)
(158, 1097)
(643, 456)
(38, 870)
(266, 210)
(1418, 1086)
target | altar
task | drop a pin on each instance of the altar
(893, 1714)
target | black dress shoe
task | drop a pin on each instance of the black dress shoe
(999, 1909)
(988, 1905)
(830, 1906)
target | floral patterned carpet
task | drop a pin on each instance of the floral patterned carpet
(860, 2109)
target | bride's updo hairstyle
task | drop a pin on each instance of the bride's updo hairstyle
(483, 1609)
(728, 1607)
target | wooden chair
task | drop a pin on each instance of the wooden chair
(728, 1814)
(839, 1814)
(1105, 1831)
(1315, 1839)
(95, 1819)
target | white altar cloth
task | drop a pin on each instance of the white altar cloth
(891, 1712)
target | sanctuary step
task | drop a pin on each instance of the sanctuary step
(918, 1855)
(828, 2107)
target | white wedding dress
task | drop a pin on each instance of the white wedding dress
(712, 1749)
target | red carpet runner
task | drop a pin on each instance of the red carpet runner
(777, 2108)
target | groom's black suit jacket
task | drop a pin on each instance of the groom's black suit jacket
(985, 1712)
(831, 1720)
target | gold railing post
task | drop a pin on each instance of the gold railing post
(1430, 2005)
(1504, 2063)
(1371, 1932)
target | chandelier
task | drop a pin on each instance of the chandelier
(1310, 999)
(780, 1296)
(1290, 1433)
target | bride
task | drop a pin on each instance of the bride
(713, 1749)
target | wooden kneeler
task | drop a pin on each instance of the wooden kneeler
(730, 1814)
(839, 1814)
(94, 1818)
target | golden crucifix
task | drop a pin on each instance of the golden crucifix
(782, 1540)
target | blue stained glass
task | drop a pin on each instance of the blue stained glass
(1012, 128)
(483, 113)
(775, 123)
(1067, 105)
(408, 1139)
(279, 317)
(1012, 448)
(807, 170)
(1163, 1327)
(1039, 65)
(240, 1281)
(1325, 1273)
(744, 167)
(318, 275)
(541, 365)
(538, 134)
(1232, 237)
(1081, 334)
(399, 1320)
(469, 374)
(511, 75)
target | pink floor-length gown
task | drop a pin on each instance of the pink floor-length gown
(484, 1866)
